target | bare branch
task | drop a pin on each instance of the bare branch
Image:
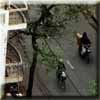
(50, 7)
(87, 17)
(90, 15)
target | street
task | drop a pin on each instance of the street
(79, 72)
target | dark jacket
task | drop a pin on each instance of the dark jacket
(61, 66)
(85, 40)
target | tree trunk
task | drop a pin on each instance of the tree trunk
(45, 13)
(32, 68)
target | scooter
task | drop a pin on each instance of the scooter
(84, 52)
(61, 78)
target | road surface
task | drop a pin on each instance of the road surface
(79, 72)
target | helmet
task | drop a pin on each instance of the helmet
(61, 60)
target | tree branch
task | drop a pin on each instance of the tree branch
(90, 15)
(87, 17)
(50, 7)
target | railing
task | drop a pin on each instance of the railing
(17, 17)
(14, 67)
(13, 74)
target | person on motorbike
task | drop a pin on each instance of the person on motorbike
(61, 70)
(85, 42)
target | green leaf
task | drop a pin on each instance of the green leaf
(47, 58)
(92, 88)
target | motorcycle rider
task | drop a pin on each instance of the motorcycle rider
(85, 42)
(61, 70)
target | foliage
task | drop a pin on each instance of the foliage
(61, 16)
(93, 88)
(52, 22)
(49, 58)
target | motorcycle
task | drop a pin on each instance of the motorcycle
(84, 52)
(61, 78)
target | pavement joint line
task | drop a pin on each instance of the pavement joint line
(69, 63)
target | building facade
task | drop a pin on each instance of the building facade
(11, 18)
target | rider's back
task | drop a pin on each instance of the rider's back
(85, 40)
